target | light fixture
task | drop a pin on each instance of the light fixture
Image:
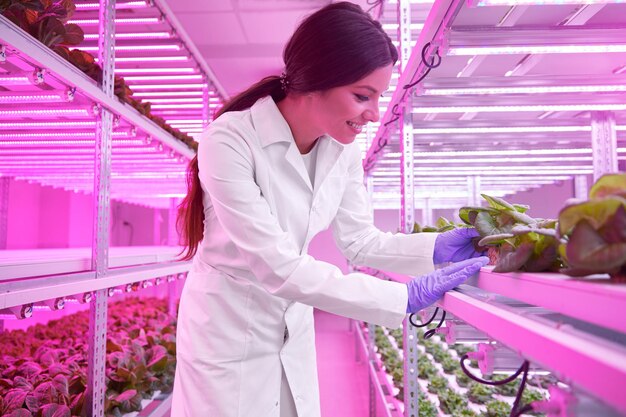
(120, 21)
(22, 135)
(535, 49)
(118, 5)
(500, 129)
(177, 106)
(137, 48)
(14, 80)
(394, 26)
(521, 108)
(133, 35)
(77, 142)
(619, 70)
(503, 160)
(507, 152)
(192, 77)
(525, 90)
(481, 3)
(160, 86)
(45, 112)
(167, 94)
(154, 70)
(176, 100)
(44, 125)
(30, 98)
(176, 58)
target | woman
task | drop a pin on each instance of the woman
(276, 167)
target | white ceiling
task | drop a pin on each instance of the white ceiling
(242, 40)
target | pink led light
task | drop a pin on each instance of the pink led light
(481, 3)
(503, 160)
(58, 135)
(501, 129)
(14, 80)
(175, 100)
(184, 121)
(167, 94)
(30, 125)
(537, 108)
(122, 21)
(145, 35)
(45, 112)
(27, 98)
(151, 58)
(77, 142)
(531, 49)
(193, 77)
(177, 106)
(160, 86)
(120, 5)
(153, 70)
(167, 47)
(526, 90)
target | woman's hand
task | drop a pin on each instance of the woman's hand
(426, 289)
(456, 245)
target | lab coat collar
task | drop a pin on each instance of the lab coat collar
(272, 128)
(269, 123)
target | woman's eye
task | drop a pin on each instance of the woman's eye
(359, 97)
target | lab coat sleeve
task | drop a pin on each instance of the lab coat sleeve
(227, 174)
(363, 244)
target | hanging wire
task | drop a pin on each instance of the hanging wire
(430, 333)
(415, 324)
(516, 410)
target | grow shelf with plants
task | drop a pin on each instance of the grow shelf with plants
(44, 368)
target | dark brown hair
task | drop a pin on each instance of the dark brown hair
(335, 46)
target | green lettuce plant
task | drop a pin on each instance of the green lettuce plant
(515, 240)
(437, 384)
(479, 393)
(497, 409)
(450, 401)
(461, 378)
(442, 225)
(594, 231)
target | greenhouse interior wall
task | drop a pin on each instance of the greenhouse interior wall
(508, 116)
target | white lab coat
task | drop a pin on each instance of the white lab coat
(252, 278)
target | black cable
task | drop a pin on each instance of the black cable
(430, 333)
(483, 381)
(425, 324)
(525, 409)
(520, 391)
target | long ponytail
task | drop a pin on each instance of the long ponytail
(190, 221)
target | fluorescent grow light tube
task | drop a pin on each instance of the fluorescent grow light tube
(159, 86)
(77, 142)
(535, 49)
(481, 3)
(31, 98)
(45, 112)
(45, 125)
(15, 80)
(500, 129)
(59, 135)
(144, 35)
(176, 100)
(525, 90)
(193, 77)
(151, 58)
(120, 21)
(394, 26)
(137, 48)
(177, 106)
(167, 94)
(537, 108)
(118, 5)
(154, 70)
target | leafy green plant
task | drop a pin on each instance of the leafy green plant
(450, 365)
(427, 408)
(497, 409)
(450, 401)
(594, 231)
(508, 390)
(437, 384)
(479, 393)
(425, 368)
(464, 412)
(462, 349)
(515, 240)
(442, 225)
(461, 378)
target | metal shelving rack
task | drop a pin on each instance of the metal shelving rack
(60, 128)
(459, 115)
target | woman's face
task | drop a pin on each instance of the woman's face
(342, 112)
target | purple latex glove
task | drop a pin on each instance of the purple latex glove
(426, 289)
(455, 245)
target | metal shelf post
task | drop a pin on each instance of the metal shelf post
(604, 143)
